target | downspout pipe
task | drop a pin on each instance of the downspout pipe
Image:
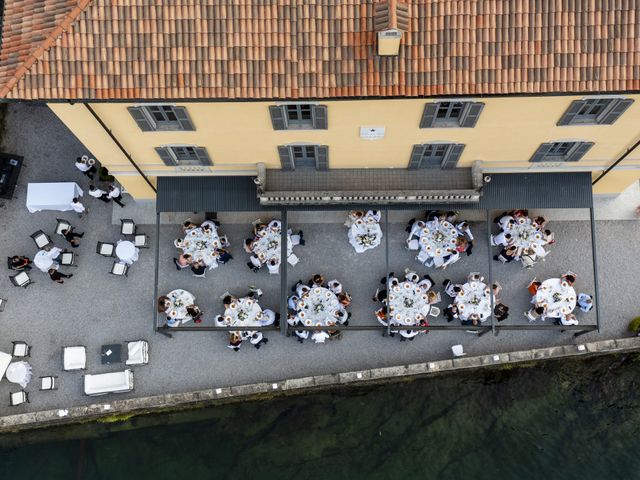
(615, 164)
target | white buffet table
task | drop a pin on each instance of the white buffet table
(51, 196)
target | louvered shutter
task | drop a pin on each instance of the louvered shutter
(165, 156)
(286, 159)
(416, 157)
(541, 152)
(428, 115)
(183, 118)
(322, 157)
(472, 113)
(613, 113)
(203, 156)
(453, 155)
(572, 111)
(141, 119)
(278, 117)
(578, 152)
(320, 120)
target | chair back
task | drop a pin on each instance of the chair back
(48, 383)
(434, 311)
(22, 279)
(127, 226)
(457, 351)
(62, 225)
(140, 240)
(119, 269)
(67, 258)
(293, 259)
(105, 249)
(18, 398)
(21, 349)
(41, 239)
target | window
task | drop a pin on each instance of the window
(435, 155)
(595, 111)
(184, 155)
(451, 114)
(161, 118)
(293, 157)
(293, 116)
(561, 151)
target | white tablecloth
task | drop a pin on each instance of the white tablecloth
(474, 298)
(19, 372)
(267, 244)
(180, 300)
(127, 251)
(558, 296)
(365, 233)
(408, 304)
(438, 239)
(43, 260)
(202, 245)
(318, 307)
(244, 313)
(524, 234)
(51, 196)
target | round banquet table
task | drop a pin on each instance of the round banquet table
(19, 372)
(267, 244)
(318, 307)
(558, 296)
(438, 239)
(408, 304)
(243, 313)
(365, 233)
(180, 300)
(524, 234)
(202, 245)
(43, 260)
(127, 251)
(474, 298)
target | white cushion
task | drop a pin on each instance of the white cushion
(457, 350)
(62, 226)
(119, 268)
(67, 258)
(20, 349)
(41, 240)
(140, 240)
(128, 228)
(413, 244)
(18, 397)
(293, 259)
(75, 358)
(22, 278)
(114, 382)
(106, 249)
(47, 383)
(5, 360)
(138, 353)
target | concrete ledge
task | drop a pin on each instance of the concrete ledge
(119, 410)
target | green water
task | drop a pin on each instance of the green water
(560, 420)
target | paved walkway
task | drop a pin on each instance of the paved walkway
(95, 308)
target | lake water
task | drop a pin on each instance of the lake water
(561, 420)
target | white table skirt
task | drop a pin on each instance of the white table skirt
(474, 299)
(180, 300)
(202, 245)
(243, 313)
(51, 196)
(565, 297)
(19, 372)
(408, 304)
(127, 251)
(43, 260)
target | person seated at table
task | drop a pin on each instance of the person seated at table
(540, 222)
(569, 277)
(57, 276)
(248, 245)
(380, 296)
(198, 267)
(20, 262)
(409, 226)
(474, 319)
(344, 299)
(548, 237)
(451, 289)
(72, 237)
(381, 315)
(506, 255)
(533, 286)
(235, 340)
(257, 228)
(228, 300)
(585, 302)
(496, 289)
(536, 312)
(183, 261)
(257, 339)
(195, 313)
(375, 214)
(335, 286)
(450, 217)
(188, 225)
(500, 311)
(218, 321)
(316, 281)
(520, 213)
(292, 302)
(224, 256)
(275, 225)
(254, 263)
(426, 283)
(302, 335)
(163, 304)
(569, 319)
(269, 317)
(461, 244)
(431, 215)
(302, 289)
(451, 312)
(503, 239)
(411, 276)
(342, 316)
(408, 334)
(475, 277)
(464, 229)
(273, 265)
(432, 297)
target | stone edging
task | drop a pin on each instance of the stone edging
(117, 410)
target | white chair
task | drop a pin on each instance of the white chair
(422, 256)
(41, 239)
(528, 261)
(413, 244)
(21, 349)
(68, 259)
(137, 352)
(127, 226)
(22, 279)
(434, 311)
(3, 303)
(493, 241)
(458, 351)
(62, 225)
(475, 277)
(74, 358)
(224, 241)
(119, 269)
(105, 249)
(273, 269)
(293, 259)
(18, 398)
(141, 240)
(49, 383)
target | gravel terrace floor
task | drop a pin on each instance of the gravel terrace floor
(94, 308)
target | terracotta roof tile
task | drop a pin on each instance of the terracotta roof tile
(139, 49)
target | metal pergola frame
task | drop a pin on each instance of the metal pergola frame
(286, 329)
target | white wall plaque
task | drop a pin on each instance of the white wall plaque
(372, 133)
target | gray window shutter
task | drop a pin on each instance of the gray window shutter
(320, 119)
(286, 159)
(428, 115)
(416, 157)
(141, 119)
(183, 118)
(322, 157)
(578, 152)
(278, 117)
(572, 111)
(453, 155)
(541, 152)
(165, 156)
(472, 113)
(203, 156)
(612, 114)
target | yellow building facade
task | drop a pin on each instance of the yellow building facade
(240, 135)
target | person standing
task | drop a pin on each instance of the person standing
(115, 195)
(78, 207)
(82, 164)
(99, 194)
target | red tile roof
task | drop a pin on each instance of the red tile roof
(262, 49)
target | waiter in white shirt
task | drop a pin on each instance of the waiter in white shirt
(82, 164)
(114, 194)
(99, 194)
(78, 207)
